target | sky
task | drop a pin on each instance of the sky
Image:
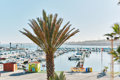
(93, 18)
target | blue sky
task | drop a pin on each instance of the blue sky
(93, 18)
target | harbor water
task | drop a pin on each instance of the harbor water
(94, 60)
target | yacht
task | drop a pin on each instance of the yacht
(79, 54)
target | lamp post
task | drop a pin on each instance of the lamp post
(10, 45)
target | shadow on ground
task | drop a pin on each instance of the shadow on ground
(4, 72)
(19, 74)
(70, 72)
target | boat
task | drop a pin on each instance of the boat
(79, 54)
(75, 56)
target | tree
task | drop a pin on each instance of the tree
(49, 36)
(111, 37)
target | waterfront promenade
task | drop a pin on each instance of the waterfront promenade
(42, 76)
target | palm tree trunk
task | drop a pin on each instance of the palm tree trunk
(112, 73)
(50, 65)
(112, 62)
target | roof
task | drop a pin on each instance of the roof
(35, 62)
(10, 63)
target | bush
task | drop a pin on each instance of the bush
(60, 77)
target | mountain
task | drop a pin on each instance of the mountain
(95, 43)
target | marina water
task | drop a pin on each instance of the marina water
(63, 64)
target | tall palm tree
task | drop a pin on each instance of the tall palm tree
(111, 37)
(49, 36)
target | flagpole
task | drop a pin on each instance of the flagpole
(101, 59)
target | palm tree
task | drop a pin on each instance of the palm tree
(49, 36)
(111, 37)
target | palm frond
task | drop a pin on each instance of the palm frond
(116, 59)
(108, 35)
(67, 37)
(116, 38)
(118, 50)
(114, 53)
(47, 33)
(116, 28)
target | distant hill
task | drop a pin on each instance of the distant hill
(95, 43)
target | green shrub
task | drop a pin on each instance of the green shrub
(60, 77)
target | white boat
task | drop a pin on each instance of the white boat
(75, 56)
(78, 55)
